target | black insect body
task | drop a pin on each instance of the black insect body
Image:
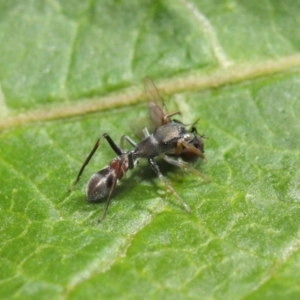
(171, 140)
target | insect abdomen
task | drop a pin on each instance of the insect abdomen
(101, 183)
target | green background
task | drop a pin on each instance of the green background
(72, 70)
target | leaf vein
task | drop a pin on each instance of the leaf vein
(211, 34)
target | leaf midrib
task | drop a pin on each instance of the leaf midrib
(133, 94)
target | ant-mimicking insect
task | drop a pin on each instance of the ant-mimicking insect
(170, 140)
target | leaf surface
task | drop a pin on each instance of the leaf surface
(72, 70)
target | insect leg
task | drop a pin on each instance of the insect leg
(114, 183)
(166, 118)
(167, 184)
(128, 139)
(146, 132)
(193, 128)
(131, 161)
(182, 164)
(112, 144)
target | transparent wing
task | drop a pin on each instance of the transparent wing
(156, 106)
(137, 125)
(158, 115)
(156, 109)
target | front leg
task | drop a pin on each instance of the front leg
(182, 164)
(156, 169)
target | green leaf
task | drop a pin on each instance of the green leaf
(72, 70)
